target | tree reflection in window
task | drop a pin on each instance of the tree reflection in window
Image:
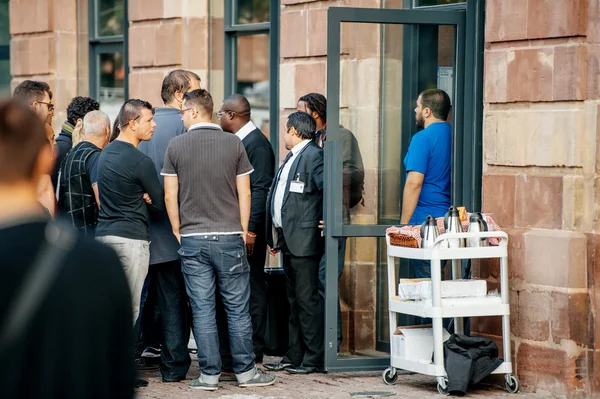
(252, 11)
(110, 17)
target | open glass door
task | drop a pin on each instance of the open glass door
(379, 60)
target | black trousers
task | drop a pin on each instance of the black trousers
(175, 317)
(258, 295)
(306, 328)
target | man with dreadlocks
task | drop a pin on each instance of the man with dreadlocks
(315, 104)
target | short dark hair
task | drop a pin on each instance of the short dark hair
(200, 98)
(176, 80)
(79, 107)
(30, 91)
(131, 110)
(22, 136)
(437, 101)
(304, 124)
(316, 103)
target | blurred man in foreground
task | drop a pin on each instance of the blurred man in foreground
(65, 312)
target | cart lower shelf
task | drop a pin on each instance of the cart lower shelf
(436, 371)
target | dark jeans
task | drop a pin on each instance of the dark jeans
(306, 325)
(211, 262)
(322, 270)
(258, 306)
(174, 321)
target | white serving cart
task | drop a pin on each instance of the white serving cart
(437, 308)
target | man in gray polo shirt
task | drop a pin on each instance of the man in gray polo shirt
(207, 193)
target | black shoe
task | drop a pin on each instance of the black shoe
(173, 379)
(303, 370)
(142, 365)
(140, 383)
(277, 366)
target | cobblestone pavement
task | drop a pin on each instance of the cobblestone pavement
(331, 385)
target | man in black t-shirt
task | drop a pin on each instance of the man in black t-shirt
(78, 198)
(124, 176)
(76, 339)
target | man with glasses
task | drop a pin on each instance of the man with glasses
(125, 175)
(207, 193)
(234, 117)
(165, 279)
(38, 97)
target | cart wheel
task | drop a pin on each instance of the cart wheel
(443, 390)
(512, 384)
(389, 376)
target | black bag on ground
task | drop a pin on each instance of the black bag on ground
(468, 360)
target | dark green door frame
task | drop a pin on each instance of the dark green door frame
(412, 19)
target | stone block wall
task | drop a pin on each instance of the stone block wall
(44, 47)
(166, 35)
(541, 176)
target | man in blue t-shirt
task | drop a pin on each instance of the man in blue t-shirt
(427, 163)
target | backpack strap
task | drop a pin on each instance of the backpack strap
(59, 240)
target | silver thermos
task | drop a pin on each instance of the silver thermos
(477, 224)
(429, 232)
(453, 225)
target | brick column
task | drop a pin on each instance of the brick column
(540, 182)
(165, 35)
(44, 47)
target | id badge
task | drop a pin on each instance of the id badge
(297, 186)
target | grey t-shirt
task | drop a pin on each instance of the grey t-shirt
(163, 244)
(207, 161)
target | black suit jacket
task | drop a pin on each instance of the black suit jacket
(260, 155)
(301, 213)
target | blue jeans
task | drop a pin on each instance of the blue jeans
(219, 261)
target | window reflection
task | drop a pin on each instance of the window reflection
(251, 11)
(111, 93)
(253, 76)
(423, 3)
(4, 49)
(110, 18)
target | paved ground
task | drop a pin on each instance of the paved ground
(338, 385)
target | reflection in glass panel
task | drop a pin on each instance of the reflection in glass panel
(4, 23)
(4, 50)
(112, 76)
(376, 107)
(5, 78)
(423, 3)
(253, 76)
(251, 11)
(109, 20)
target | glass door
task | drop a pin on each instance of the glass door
(379, 60)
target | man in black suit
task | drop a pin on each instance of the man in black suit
(234, 117)
(294, 209)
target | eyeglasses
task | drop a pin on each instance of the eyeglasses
(132, 120)
(221, 113)
(49, 105)
(183, 111)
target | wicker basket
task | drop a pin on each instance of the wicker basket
(401, 240)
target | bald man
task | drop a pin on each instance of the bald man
(234, 117)
(77, 193)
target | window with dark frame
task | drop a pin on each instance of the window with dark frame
(5, 76)
(108, 67)
(252, 59)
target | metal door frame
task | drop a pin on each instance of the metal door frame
(333, 157)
